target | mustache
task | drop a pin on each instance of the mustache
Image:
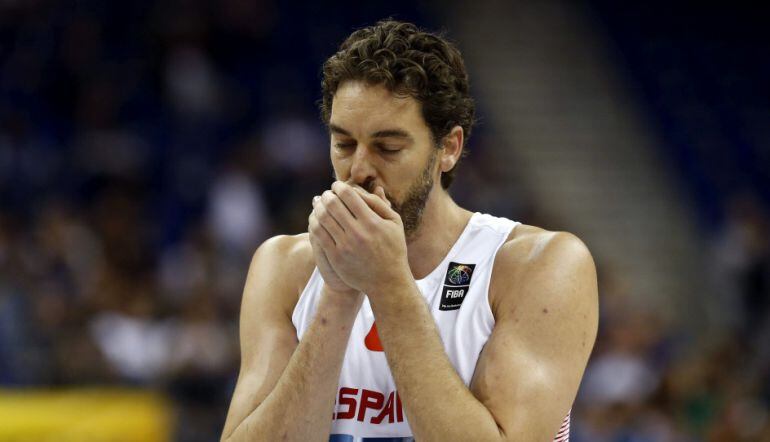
(367, 185)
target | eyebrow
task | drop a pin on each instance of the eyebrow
(386, 133)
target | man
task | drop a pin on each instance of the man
(399, 314)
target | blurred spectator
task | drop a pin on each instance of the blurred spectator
(192, 83)
(237, 212)
(742, 264)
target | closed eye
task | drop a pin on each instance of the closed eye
(388, 150)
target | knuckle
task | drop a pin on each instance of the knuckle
(322, 236)
(333, 253)
(362, 235)
(358, 235)
(322, 215)
(345, 191)
(343, 249)
(335, 206)
(369, 222)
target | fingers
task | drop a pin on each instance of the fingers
(338, 213)
(332, 206)
(351, 198)
(329, 233)
(379, 191)
(377, 202)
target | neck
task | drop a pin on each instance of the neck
(442, 223)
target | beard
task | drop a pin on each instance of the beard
(411, 208)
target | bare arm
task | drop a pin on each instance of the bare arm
(529, 371)
(286, 389)
(547, 316)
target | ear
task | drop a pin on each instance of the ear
(452, 149)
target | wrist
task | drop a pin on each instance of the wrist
(350, 298)
(399, 285)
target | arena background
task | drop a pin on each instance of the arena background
(147, 148)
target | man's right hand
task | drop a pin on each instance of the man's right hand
(317, 235)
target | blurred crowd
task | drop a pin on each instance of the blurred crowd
(146, 149)
(649, 380)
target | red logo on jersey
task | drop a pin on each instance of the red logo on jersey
(372, 339)
(352, 403)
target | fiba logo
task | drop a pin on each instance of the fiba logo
(456, 285)
(459, 274)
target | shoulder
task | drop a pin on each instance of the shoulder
(537, 260)
(529, 245)
(287, 252)
(282, 265)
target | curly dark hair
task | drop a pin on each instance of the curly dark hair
(409, 62)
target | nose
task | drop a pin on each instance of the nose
(362, 170)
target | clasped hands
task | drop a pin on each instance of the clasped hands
(357, 238)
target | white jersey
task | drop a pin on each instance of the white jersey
(367, 405)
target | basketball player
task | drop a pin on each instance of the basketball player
(401, 315)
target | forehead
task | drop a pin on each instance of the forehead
(362, 109)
